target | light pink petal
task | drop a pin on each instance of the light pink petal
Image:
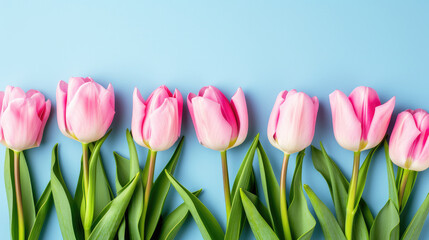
(44, 119)
(420, 152)
(156, 99)
(178, 96)
(295, 128)
(1, 107)
(274, 118)
(316, 107)
(238, 102)
(74, 84)
(40, 101)
(21, 124)
(214, 131)
(364, 101)
(11, 94)
(139, 113)
(191, 112)
(163, 125)
(347, 128)
(402, 140)
(380, 123)
(61, 96)
(107, 107)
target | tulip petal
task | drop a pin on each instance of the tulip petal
(403, 136)
(73, 86)
(420, 153)
(21, 124)
(1, 107)
(191, 112)
(178, 96)
(274, 118)
(295, 130)
(61, 96)
(238, 102)
(163, 125)
(380, 123)
(139, 113)
(44, 119)
(347, 128)
(214, 131)
(156, 99)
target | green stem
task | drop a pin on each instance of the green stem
(226, 190)
(404, 180)
(283, 201)
(85, 165)
(148, 189)
(352, 197)
(21, 226)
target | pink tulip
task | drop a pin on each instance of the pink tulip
(360, 121)
(85, 109)
(23, 118)
(292, 121)
(219, 123)
(408, 146)
(156, 122)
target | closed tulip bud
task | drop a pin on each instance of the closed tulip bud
(156, 122)
(23, 118)
(219, 123)
(292, 121)
(408, 146)
(85, 109)
(360, 121)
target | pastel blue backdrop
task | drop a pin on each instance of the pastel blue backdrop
(262, 46)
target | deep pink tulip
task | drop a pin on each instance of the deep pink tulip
(360, 120)
(408, 146)
(156, 123)
(292, 121)
(85, 109)
(23, 118)
(219, 123)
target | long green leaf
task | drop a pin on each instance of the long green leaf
(243, 180)
(106, 226)
(260, 228)
(271, 190)
(68, 214)
(263, 211)
(122, 171)
(302, 223)
(416, 225)
(408, 188)
(393, 191)
(170, 226)
(206, 222)
(331, 229)
(159, 193)
(42, 208)
(10, 193)
(386, 224)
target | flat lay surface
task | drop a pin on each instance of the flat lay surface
(262, 47)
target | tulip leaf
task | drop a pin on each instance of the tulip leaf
(263, 211)
(10, 193)
(331, 229)
(243, 180)
(159, 193)
(122, 171)
(363, 173)
(386, 224)
(416, 225)
(109, 220)
(67, 212)
(302, 223)
(412, 176)
(260, 228)
(393, 191)
(42, 208)
(170, 226)
(122, 230)
(367, 215)
(206, 222)
(271, 190)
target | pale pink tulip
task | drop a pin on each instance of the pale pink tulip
(408, 146)
(219, 123)
(360, 121)
(292, 121)
(156, 122)
(23, 118)
(85, 109)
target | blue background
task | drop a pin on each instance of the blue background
(262, 46)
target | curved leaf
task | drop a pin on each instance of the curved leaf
(393, 191)
(330, 227)
(302, 222)
(260, 228)
(106, 226)
(209, 227)
(9, 177)
(416, 225)
(263, 211)
(42, 208)
(386, 224)
(122, 171)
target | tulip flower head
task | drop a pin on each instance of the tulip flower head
(85, 109)
(156, 122)
(23, 118)
(219, 123)
(360, 121)
(408, 147)
(292, 121)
